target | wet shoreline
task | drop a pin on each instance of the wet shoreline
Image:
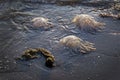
(103, 64)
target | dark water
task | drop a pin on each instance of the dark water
(103, 64)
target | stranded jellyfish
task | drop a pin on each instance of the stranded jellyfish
(87, 23)
(42, 22)
(75, 42)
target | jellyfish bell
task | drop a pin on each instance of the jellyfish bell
(39, 18)
(71, 41)
(85, 17)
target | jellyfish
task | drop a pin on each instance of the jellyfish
(74, 42)
(87, 23)
(42, 22)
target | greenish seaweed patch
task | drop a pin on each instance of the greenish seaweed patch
(33, 53)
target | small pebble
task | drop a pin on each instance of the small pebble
(25, 47)
(0, 61)
(1, 67)
(88, 78)
(59, 17)
(14, 62)
(30, 64)
(16, 50)
(98, 56)
(7, 61)
(5, 57)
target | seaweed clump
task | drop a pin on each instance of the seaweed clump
(116, 16)
(87, 22)
(74, 42)
(67, 2)
(117, 6)
(112, 12)
(33, 53)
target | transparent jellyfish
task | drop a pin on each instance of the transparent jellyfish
(74, 42)
(87, 23)
(42, 22)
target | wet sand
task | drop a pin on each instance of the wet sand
(103, 64)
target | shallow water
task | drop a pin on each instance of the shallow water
(103, 64)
